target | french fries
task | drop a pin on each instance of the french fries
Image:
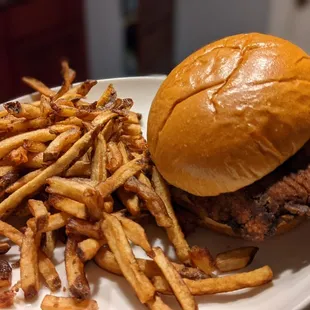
(98, 166)
(203, 260)
(62, 141)
(119, 245)
(48, 243)
(177, 284)
(84, 228)
(106, 260)
(54, 222)
(11, 233)
(153, 202)
(68, 77)
(135, 233)
(231, 283)
(65, 166)
(88, 248)
(67, 303)
(235, 259)
(108, 97)
(174, 232)
(71, 207)
(40, 213)
(22, 181)
(77, 282)
(9, 144)
(77, 150)
(114, 157)
(48, 272)
(119, 177)
(29, 272)
(24, 110)
(157, 304)
(38, 86)
(224, 284)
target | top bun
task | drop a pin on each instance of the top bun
(231, 113)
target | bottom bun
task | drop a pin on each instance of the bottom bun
(227, 230)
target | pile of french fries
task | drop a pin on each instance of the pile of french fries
(80, 173)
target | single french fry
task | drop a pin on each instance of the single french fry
(62, 141)
(22, 181)
(174, 232)
(235, 259)
(11, 233)
(34, 147)
(98, 165)
(75, 152)
(103, 117)
(68, 303)
(72, 120)
(108, 97)
(71, 207)
(120, 247)
(157, 304)
(38, 86)
(108, 129)
(39, 211)
(135, 233)
(114, 157)
(48, 272)
(177, 284)
(202, 259)
(68, 76)
(129, 200)
(60, 128)
(80, 169)
(81, 227)
(88, 248)
(231, 283)
(9, 144)
(153, 202)
(29, 273)
(45, 106)
(77, 282)
(25, 125)
(48, 243)
(24, 110)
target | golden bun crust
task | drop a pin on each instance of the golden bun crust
(224, 229)
(231, 113)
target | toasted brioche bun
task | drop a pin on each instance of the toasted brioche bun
(282, 228)
(231, 113)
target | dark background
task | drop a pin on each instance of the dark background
(110, 38)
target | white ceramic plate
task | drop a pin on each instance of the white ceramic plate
(288, 255)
